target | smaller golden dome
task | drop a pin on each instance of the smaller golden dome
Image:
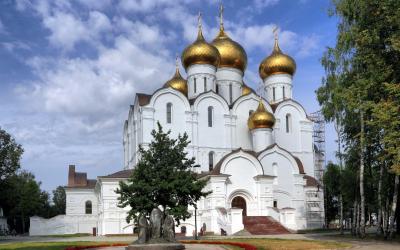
(277, 63)
(177, 81)
(246, 89)
(200, 52)
(261, 118)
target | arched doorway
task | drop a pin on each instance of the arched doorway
(240, 202)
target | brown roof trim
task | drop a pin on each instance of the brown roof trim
(191, 101)
(311, 181)
(143, 99)
(120, 174)
(217, 169)
(298, 161)
(90, 185)
(276, 105)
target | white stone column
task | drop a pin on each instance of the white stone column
(229, 82)
(262, 138)
(278, 87)
(200, 78)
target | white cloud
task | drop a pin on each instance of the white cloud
(67, 30)
(264, 3)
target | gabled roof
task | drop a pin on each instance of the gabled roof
(120, 174)
(217, 169)
(298, 161)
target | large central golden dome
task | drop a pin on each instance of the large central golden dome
(261, 118)
(177, 82)
(277, 63)
(200, 52)
(232, 53)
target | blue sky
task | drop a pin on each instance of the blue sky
(69, 69)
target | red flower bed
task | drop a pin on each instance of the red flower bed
(96, 246)
(245, 246)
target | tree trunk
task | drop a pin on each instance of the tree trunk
(362, 195)
(379, 228)
(358, 219)
(385, 219)
(392, 229)
(337, 128)
(354, 221)
(23, 223)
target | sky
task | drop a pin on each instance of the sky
(69, 69)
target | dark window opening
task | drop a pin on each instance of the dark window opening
(210, 161)
(276, 204)
(169, 112)
(210, 116)
(195, 85)
(88, 207)
(205, 84)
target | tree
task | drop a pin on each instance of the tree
(59, 200)
(163, 177)
(26, 199)
(10, 155)
(332, 183)
(363, 72)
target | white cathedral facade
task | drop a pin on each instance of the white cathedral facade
(258, 153)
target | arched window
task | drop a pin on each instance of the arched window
(217, 88)
(230, 93)
(283, 92)
(88, 207)
(205, 84)
(195, 85)
(251, 112)
(288, 123)
(210, 116)
(273, 93)
(210, 160)
(169, 112)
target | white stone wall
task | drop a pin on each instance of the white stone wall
(76, 199)
(62, 224)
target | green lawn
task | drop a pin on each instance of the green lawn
(50, 245)
(279, 244)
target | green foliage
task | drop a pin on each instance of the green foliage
(10, 155)
(361, 88)
(331, 180)
(59, 200)
(163, 177)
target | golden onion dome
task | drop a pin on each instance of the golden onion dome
(200, 52)
(246, 89)
(177, 82)
(277, 63)
(261, 118)
(232, 53)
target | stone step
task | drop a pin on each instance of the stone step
(259, 225)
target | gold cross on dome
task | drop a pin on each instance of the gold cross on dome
(221, 13)
(275, 31)
(199, 20)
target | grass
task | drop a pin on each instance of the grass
(51, 245)
(260, 243)
(286, 244)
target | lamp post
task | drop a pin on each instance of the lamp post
(195, 223)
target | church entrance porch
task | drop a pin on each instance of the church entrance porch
(240, 202)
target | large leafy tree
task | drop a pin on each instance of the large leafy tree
(362, 79)
(10, 155)
(163, 177)
(59, 200)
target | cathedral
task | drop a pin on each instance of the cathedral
(256, 150)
